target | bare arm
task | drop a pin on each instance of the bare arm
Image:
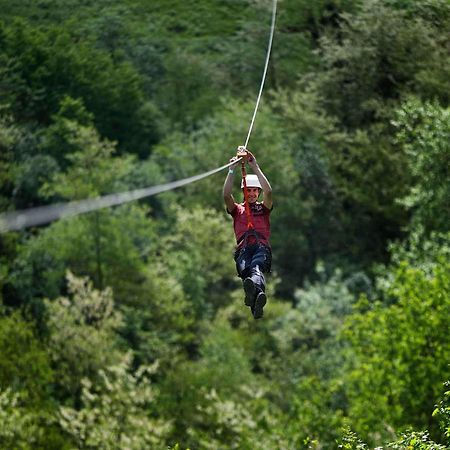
(266, 187)
(228, 186)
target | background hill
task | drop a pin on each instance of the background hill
(125, 328)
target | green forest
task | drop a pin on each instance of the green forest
(125, 328)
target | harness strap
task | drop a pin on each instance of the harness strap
(247, 206)
(245, 236)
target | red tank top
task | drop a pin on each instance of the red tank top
(260, 220)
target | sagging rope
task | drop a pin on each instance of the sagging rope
(18, 220)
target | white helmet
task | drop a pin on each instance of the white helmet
(252, 181)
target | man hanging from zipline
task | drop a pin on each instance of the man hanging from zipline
(251, 223)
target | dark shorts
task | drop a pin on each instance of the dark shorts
(251, 256)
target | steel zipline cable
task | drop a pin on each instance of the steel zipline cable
(266, 65)
(18, 220)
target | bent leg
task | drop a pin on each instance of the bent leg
(260, 263)
(251, 264)
(243, 258)
(257, 276)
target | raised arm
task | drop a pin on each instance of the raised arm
(267, 189)
(228, 186)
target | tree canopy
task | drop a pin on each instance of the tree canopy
(125, 327)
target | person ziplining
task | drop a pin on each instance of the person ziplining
(253, 255)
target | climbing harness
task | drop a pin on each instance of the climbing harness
(18, 220)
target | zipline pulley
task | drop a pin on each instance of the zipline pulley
(242, 153)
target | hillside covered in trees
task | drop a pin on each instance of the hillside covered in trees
(125, 328)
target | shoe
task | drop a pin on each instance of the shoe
(250, 292)
(260, 301)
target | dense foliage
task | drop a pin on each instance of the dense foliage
(125, 328)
